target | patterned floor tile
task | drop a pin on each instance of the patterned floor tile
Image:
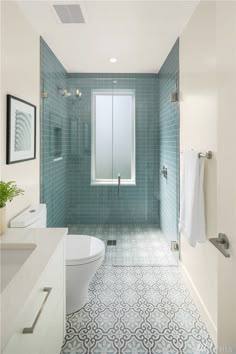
(134, 346)
(137, 245)
(105, 346)
(164, 346)
(74, 346)
(136, 310)
(158, 320)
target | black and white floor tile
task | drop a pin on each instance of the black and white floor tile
(137, 310)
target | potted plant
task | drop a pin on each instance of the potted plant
(8, 191)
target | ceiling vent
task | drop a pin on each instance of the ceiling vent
(69, 13)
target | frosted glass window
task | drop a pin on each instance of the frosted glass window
(103, 141)
(113, 137)
(122, 136)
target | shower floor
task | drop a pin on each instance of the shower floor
(135, 309)
(136, 245)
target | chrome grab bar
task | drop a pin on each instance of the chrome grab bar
(30, 330)
(221, 243)
(118, 184)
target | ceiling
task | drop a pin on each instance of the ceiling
(139, 34)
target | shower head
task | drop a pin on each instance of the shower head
(64, 93)
(67, 93)
(78, 93)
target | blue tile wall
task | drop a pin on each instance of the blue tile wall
(101, 204)
(65, 183)
(169, 144)
(54, 185)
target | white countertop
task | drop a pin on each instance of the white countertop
(16, 292)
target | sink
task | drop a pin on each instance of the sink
(13, 256)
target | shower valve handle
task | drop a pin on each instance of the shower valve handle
(118, 183)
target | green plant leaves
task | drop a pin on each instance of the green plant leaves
(8, 191)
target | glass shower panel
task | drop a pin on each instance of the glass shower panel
(122, 136)
(127, 143)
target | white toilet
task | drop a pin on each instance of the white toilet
(84, 255)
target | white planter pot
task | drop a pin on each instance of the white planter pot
(3, 222)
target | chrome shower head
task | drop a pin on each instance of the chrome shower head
(64, 93)
(78, 93)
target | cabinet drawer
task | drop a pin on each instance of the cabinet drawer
(43, 316)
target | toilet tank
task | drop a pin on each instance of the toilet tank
(33, 217)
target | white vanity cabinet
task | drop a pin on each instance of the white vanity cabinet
(40, 324)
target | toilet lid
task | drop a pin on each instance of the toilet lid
(82, 249)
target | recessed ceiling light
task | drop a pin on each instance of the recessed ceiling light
(113, 60)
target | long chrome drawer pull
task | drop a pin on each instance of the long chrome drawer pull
(31, 329)
(221, 243)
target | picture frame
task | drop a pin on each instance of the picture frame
(21, 130)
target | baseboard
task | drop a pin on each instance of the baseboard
(211, 327)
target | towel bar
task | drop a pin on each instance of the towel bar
(207, 154)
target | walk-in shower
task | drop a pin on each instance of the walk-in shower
(100, 160)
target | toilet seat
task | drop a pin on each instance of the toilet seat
(82, 249)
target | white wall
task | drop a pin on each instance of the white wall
(226, 170)
(20, 76)
(198, 130)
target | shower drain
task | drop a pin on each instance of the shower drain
(111, 242)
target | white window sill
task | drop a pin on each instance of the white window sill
(113, 183)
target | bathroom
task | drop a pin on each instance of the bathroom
(121, 98)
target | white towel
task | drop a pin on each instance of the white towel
(192, 209)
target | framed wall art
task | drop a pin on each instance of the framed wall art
(21, 130)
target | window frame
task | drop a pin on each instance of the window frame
(108, 182)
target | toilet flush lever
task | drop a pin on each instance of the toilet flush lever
(221, 243)
(118, 184)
